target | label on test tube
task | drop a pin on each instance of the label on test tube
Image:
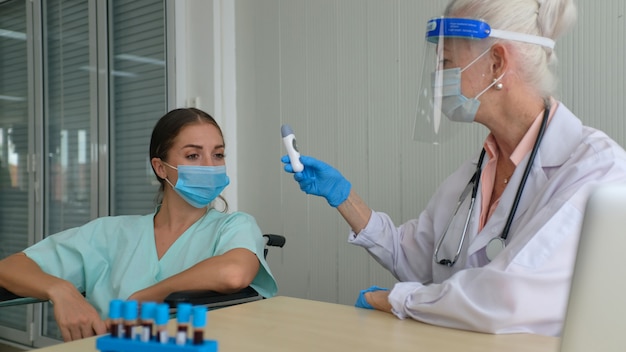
(199, 322)
(183, 315)
(130, 319)
(115, 314)
(147, 318)
(162, 315)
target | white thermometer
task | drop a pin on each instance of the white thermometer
(292, 149)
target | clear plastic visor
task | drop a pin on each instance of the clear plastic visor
(431, 124)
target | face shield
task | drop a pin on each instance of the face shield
(440, 99)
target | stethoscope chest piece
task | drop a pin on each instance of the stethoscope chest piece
(494, 247)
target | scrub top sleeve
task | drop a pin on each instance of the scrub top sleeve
(239, 231)
(242, 231)
(60, 255)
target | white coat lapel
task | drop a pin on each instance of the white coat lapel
(553, 152)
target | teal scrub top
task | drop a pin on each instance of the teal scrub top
(114, 257)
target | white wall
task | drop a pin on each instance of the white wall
(194, 53)
(204, 56)
(344, 75)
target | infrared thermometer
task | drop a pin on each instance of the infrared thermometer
(289, 139)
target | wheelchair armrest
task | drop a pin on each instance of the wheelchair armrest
(6, 295)
(202, 297)
(8, 298)
(273, 240)
(212, 298)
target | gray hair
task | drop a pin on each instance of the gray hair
(545, 18)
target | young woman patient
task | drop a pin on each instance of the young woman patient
(186, 244)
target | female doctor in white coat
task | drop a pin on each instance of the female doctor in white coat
(502, 264)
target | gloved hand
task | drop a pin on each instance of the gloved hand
(320, 179)
(361, 302)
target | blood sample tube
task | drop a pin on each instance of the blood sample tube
(115, 315)
(161, 316)
(183, 315)
(147, 320)
(199, 322)
(130, 319)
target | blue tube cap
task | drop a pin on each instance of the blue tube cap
(148, 310)
(162, 314)
(199, 316)
(183, 312)
(115, 308)
(130, 310)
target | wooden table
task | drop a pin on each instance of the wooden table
(293, 324)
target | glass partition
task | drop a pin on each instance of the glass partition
(82, 83)
(15, 214)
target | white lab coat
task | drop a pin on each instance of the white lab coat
(525, 288)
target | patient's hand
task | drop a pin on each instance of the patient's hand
(76, 318)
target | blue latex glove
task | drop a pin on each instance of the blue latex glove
(361, 302)
(320, 179)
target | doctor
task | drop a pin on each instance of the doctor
(494, 249)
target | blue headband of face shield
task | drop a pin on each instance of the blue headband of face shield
(467, 28)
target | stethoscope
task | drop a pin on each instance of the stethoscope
(496, 244)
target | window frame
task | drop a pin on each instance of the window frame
(101, 176)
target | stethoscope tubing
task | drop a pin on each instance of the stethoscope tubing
(473, 182)
(531, 160)
(518, 196)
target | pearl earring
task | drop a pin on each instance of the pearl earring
(498, 86)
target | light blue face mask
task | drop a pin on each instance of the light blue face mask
(199, 185)
(454, 104)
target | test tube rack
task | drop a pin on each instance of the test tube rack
(108, 343)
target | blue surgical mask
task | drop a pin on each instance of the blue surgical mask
(454, 104)
(199, 185)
